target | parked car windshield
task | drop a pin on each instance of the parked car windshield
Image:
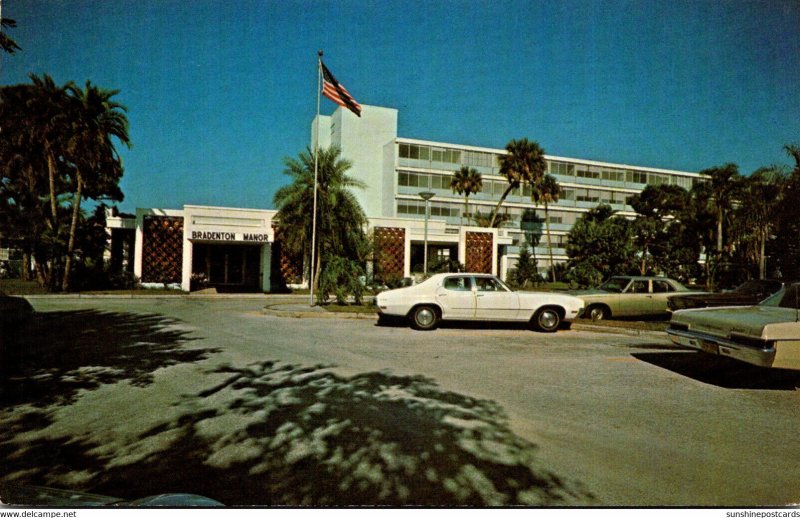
(785, 298)
(614, 285)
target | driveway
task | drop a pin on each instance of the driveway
(134, 397)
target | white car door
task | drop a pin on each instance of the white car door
(494, 301)
(456, 298)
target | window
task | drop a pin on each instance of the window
(639, 287)
(583, 173)
(657, 179)
(662, 287)
(488, 284)
(457, 284)
(636, 177)
(613, 175)
(587, 195)
(562, 168)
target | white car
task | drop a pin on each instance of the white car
(767, 335)
(474, 296)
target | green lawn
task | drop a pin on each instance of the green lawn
(19, 287)
(350, 308)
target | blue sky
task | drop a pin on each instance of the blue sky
(219, 92)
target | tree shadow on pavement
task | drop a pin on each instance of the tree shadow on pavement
(55, 354)
(723, 372)
(275, 434)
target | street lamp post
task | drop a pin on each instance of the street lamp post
(426, 195)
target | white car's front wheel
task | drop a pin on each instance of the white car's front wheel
(547, 320)
(424, 318)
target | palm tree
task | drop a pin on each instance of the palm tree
(719, 193)
(96, 165)
(721, 190)
(48, 120)
(523, 164)
(39, 124)
(786, 246)
(487, 220)
(546, 190)
(466, 181)
(22, 212)
(758, 213)
(340, 219)
(6, 43)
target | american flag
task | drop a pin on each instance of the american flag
(336, 92)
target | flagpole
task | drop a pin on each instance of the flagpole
(316, 169)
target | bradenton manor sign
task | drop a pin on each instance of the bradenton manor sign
(230, 236)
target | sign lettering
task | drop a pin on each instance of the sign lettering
(230, 236)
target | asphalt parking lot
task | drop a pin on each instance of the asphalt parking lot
(133, 397)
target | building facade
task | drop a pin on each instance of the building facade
(396, 170)
(235, 249)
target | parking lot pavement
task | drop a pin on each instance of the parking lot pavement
(216, 397)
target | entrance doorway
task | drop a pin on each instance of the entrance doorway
(441, 258)
(228, 268)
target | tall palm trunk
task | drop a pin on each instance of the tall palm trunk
(500, 203)
(25, 272)
(51, 172)
(549, 242)
(762, 258)
(76, 209)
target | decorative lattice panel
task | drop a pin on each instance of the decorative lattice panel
(290, 267)
(162, 249)
(479, 252)
(390, 249)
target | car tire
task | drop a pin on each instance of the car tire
(424, 318)
(597, 312)
(547, 320)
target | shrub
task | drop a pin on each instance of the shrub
(340, 277)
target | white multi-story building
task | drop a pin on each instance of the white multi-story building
(238, 249)
(396, 169)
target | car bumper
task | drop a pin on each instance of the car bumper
(762, 357)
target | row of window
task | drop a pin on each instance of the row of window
(447, 210)
(557, 240)
(595, 196)
(497, 188)
(619, 175)
(483, 159)
(516, 215)
(442, 182)
(433, 154)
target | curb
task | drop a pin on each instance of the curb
(269, 310)
(617, 330)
